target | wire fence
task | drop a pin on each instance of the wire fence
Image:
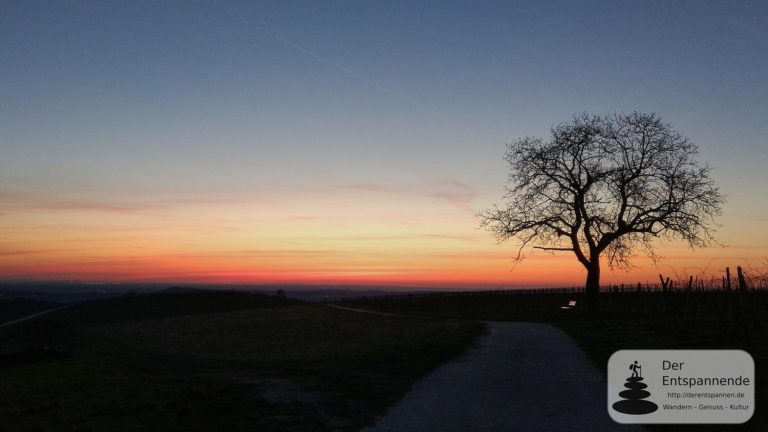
(741, 280)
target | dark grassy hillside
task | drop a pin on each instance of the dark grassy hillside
(208, 361)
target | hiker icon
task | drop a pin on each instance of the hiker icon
(633, 402)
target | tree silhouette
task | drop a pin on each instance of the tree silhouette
(604, 186)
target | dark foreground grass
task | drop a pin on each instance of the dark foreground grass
(626, 320)
(269, 367)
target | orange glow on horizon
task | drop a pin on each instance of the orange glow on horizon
(354, 236)
(488, 269)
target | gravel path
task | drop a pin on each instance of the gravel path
(520, 377)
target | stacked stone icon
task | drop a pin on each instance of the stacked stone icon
(634, 402)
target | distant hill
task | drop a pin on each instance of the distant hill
(337, 294)
(175, 301)
(182, 289)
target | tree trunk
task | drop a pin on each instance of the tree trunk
(593, 277)
(593, 285)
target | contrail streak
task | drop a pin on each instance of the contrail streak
(242, 15)
(353, 73)
(301, 48)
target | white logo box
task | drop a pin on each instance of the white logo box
(685, 386)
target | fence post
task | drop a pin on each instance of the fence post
(728, 278)
(742, 281)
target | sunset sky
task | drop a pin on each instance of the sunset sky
(349, 142)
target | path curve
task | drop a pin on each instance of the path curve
(35, 315)
(520, 377)
(372, 312)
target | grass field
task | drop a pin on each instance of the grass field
(208, 361)
(213, 361)
(626, 320)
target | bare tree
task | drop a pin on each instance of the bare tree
(605, 186)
